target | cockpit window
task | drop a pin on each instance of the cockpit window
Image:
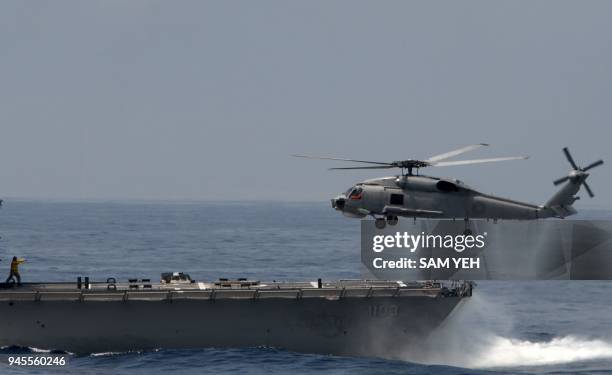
(356, 193)
(352, 190)
(397, 199)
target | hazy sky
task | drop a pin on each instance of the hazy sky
(207, 100)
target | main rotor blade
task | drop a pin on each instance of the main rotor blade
(560, 180)
(588, 189)
(340, 159)
(476, 161)
(459, 151)
(569, 158)
(377, 167)
(592, 165)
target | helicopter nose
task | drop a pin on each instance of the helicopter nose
(338, 203)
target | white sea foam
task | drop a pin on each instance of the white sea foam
(507, 352)
(106, 354)
(481, 336)
(38, 350)
(110, 354)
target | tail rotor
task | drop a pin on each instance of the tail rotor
(577, 173)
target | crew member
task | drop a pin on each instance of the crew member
(15, 271)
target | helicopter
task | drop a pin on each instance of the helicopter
(412, 195)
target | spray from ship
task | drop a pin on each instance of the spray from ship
(481, 335)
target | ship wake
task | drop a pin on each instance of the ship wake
(508, 352)
(482, 336)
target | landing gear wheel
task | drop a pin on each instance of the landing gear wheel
(467, 232)
(392, 220)
(380, 223)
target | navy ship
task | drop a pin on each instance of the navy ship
(346, 317)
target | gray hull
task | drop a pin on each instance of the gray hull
(346, 326)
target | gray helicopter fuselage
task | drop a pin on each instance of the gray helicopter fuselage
(431, 197)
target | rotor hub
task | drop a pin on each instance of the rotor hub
(410, 163)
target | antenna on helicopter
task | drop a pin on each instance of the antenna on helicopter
(577, 171)
(408, 165)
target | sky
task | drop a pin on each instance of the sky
(207, 100)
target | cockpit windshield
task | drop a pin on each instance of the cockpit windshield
(355, 194)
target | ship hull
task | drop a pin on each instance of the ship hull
(345, 326)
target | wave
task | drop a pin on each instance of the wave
(109, 354)
(13, 349)
(508, 352)
(481, 336)
(126, 352)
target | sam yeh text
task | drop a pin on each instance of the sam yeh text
(427, 263)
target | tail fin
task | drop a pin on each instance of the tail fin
(561, 202)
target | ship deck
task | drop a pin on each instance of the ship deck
(143, 289)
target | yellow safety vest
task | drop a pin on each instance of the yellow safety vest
(15, 265)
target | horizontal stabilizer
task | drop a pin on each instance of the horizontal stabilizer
(563, 211)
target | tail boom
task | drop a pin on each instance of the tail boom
(560, 205)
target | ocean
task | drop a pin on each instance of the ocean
(543, 327)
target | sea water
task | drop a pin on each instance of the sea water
(506, 327)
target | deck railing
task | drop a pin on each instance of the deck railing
(221, 294)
